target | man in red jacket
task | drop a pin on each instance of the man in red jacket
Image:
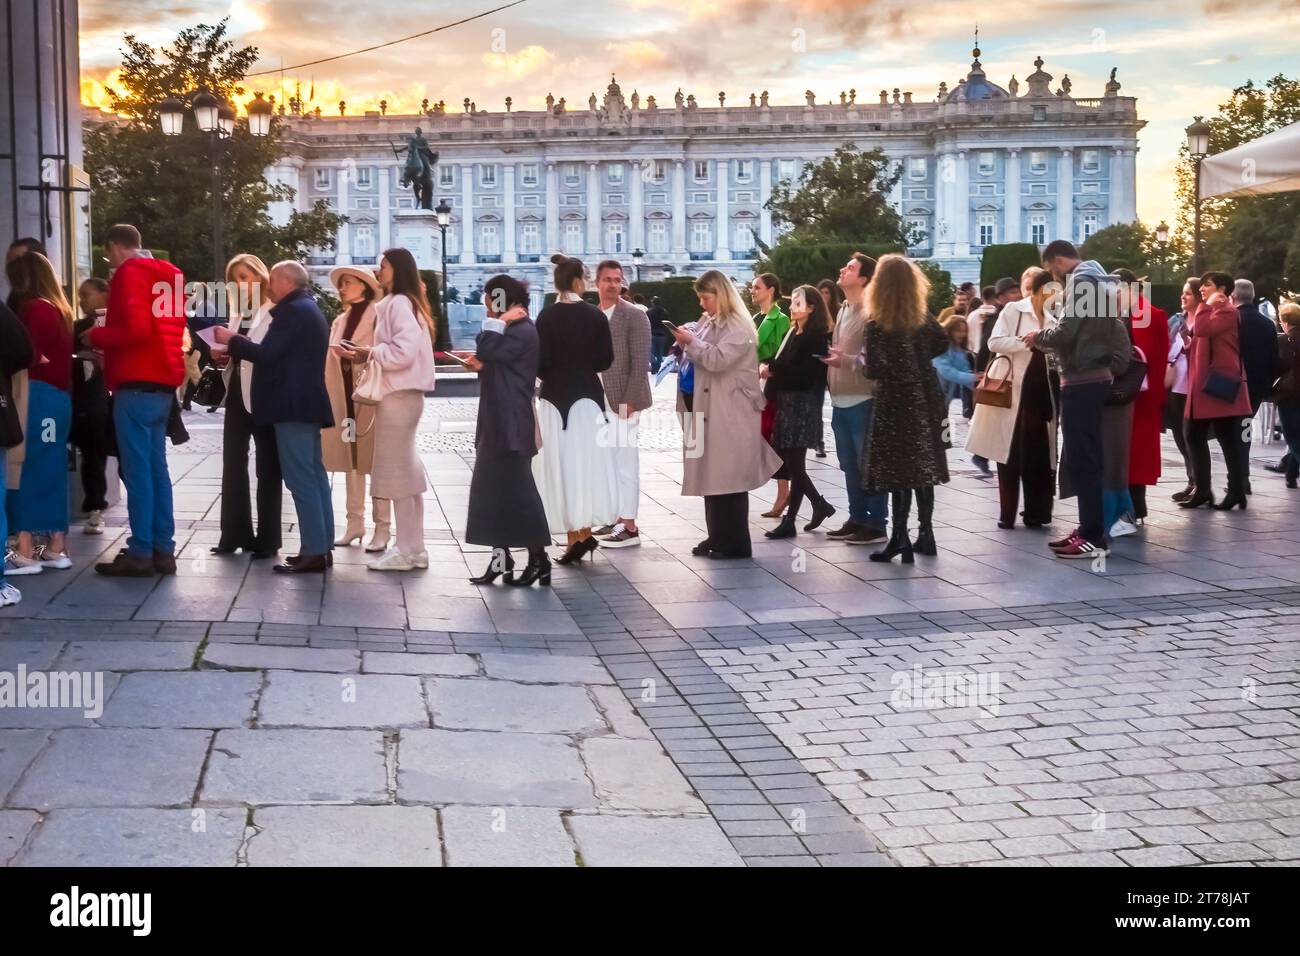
(143, 366)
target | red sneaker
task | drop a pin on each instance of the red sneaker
(1081, 550)
(1064, 542)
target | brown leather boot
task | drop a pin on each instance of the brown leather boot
(127, 565)
(164, 562)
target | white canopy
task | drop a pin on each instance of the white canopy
(1270, 164)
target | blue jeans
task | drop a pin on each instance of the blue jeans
(298, 444)
(850, 426)
(4, 518)
(140, 419)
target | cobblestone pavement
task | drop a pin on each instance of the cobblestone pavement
(989, 706)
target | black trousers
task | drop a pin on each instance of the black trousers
(236, 506)
(795, 465)
(1175, 411)
(1227, 431)
(726, 517)
(1029, 463)
(1081, 411)
(94, 477)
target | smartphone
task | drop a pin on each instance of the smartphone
(670, 325)
(348, 344)
(463, 363)
(823, 357)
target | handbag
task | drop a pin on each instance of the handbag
(995, 391)
(1126, 387)
(1223, 387)
(211, 388)
(369, 388)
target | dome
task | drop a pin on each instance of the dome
(976, 86)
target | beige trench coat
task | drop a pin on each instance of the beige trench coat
(723, 448)
(992, 428)
(340, 455)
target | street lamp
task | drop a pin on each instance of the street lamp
(1162, 240)
(216, 119)
(1198, 144)
(443, 212)
(637, 256)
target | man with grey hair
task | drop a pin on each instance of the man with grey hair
(289, 394)
(1259, 355)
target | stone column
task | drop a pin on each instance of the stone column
(1065, 195)
(343, 242)
(722, 241)
(945, 175)
(467, 213)
(679, 209)
(1126, 160)
(961, 218)
(552, 213)
(1011, 215)
(508, 256)
(638, 207)
(764, 194)
(594, 241)
(385, 210)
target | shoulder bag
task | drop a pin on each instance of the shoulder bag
(992, 390)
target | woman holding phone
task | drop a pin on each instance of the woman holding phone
(796, 383)
(349, 446)
(505, 510)
(403, 354)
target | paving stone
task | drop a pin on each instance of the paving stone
(137, 837)
(264, 657)
(345, 836)
(94, 692)
(14, 827)
(18, 748)
(183, 699)
(114, 768)
(619, 713)
(501, 705)
(546, 669)
(493, 769)
(506, 836)
(609, 840)
(1158, 856)
(341, 700)
(257, 767)
(433, 665)
(637, 775)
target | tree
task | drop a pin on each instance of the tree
(163, 184)
(1254, 236)
(842, 198)
(942, 290)
(1131, 245)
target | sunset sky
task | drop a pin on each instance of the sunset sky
(1178, 57)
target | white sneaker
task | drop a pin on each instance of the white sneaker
(57, 562)
(421, 560)
(9, 595)
(392, 560)
(94, 523)
(16, 564)
(1122, 527)
(622, 538)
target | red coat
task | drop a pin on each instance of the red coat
(141, 336)
(1214, 330)
(1151, 335)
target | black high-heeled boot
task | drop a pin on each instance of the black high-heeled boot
(538, 569)
(1197, 499)
(785, 529)
(924, 543)
(899, 543)
(822, 509)
(501, 563)
(1233, 499)
(575, 552)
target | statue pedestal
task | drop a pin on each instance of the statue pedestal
(417, 230)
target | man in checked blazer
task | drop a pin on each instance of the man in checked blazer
(627, 391)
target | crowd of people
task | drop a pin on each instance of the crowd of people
(1066, 354)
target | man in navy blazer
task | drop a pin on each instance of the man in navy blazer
(289, 394)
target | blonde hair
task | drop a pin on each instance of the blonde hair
(1037, 299)
(731, 308)
(1289, 314)
(250, 262)
(896, 297)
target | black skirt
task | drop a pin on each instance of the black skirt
(505, 510)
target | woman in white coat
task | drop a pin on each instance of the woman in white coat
(1022, 438)
(403, 354)
(724, 454)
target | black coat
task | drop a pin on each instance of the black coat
(15, 356)
(91, 413)
(506, 385)
(796, 367)
(289, 364)
(576, 346)
(1258, 338)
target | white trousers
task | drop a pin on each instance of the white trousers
(627, 474)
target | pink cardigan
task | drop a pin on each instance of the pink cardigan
(402, 347)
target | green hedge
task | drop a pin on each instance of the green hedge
(1167, 296)
(807, 263)
(1008, 259)
(431, 288)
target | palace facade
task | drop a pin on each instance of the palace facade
(686, 183)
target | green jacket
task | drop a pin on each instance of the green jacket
(771, 330)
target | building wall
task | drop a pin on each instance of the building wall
(40, 131)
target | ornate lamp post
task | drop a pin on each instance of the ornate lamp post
(1198, 144)
(216, 119)
(1162, 240)
(637, 256)
(443, 212)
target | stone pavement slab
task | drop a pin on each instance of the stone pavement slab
(609, 840)
(18, 748)
(506, 836)
(183, 699)
(493, 769)
(503, 705)
(343, 700)
(443, 665)
(257, 767)
(136, 837)
(637, 775)
(260, 657)
(128, 656)
(545, 669)
(345, 836)
(15, 825)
